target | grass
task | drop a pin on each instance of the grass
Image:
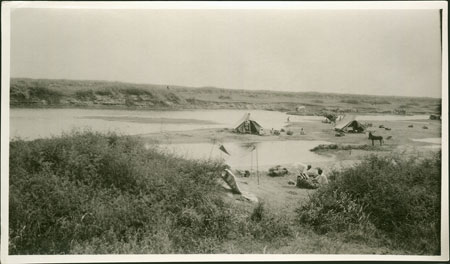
(89, 193)
(389, 198)
(92, 193)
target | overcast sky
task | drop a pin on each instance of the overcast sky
(381, 52)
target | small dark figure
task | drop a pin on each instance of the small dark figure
(425, 127)
(410, 126)
(373, 138)
(387, 128)
(246, 173)
(389, 137)
(282, 130)
(381, 126)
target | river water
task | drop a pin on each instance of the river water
(41, 123)
(249, 155)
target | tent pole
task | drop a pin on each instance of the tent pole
(251, 162)
(257, 171)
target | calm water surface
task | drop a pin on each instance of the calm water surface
(242, 156)
(39, 123)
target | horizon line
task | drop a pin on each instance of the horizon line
(221, 88)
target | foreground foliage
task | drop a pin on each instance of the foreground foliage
(390, 197)
(91, 193)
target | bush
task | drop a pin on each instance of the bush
(398, 197)
(92, 193)
(80, 186)
(28, 93)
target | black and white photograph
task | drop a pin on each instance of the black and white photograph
(224, 131)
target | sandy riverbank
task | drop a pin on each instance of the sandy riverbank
(276, 192)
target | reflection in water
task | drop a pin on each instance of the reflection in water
(241, 156)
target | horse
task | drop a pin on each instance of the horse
(373, 138)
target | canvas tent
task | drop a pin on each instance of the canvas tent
(349, 124)
(248, 126)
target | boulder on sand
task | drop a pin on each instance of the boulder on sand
(277, 171)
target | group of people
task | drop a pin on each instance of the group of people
(309, 178)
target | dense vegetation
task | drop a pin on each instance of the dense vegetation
(92, 193)
(26, 92)
(390, 197)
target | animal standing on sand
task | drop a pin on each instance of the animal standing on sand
(373, 138)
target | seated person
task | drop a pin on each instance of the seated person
(321, 178)
(306, 179)
(311, 172)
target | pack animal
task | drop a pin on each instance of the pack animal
(373, 138)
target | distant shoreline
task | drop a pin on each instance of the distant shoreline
(54, 94)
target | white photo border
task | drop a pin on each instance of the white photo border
(6, 11)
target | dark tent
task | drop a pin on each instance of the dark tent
(349, 124)
(248, 126)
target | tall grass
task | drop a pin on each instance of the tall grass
(383, 196)
(92, 193)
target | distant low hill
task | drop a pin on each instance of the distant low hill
(25, 92)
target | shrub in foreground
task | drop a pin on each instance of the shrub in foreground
(392, 197)
(91, 193)
(72, 189)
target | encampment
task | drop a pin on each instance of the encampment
(248, 126)
(349, 124)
